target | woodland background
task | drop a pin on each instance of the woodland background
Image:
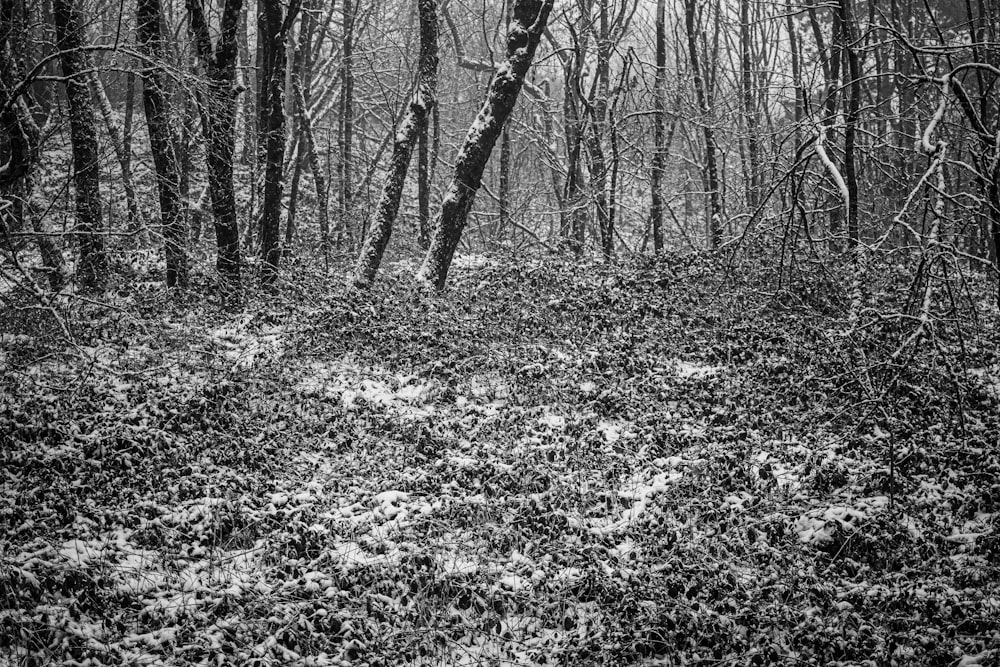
(676, 343)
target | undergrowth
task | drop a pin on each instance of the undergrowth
(649, 463)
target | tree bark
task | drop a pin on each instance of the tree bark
(346, 164)
(701, 94)
(93, 265)
(749, 107)
(851, 118)
(524, 32)
(118, 143)
(598, 109)
(406, 136)
(219, 127)
(503, 194)
(23, 145)
(272, 28)
(162, 141)
(308, 144)
(659, 110)
(423, 186)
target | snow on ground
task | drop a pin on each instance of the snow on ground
(244, 348)
(348, 382)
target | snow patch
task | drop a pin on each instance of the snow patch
(347, 382)
(245, 349)
(695, 370)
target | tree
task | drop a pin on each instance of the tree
(406, 135)
(523, 34)
(119, 142)
(219, 127)
(749, 106)
(92, 269)
(272, 30)
(659, 140)
(701, 91)
(346, 164)
(162, 141)
(23, 143)
(853, 104)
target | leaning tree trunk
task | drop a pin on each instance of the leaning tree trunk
(523, 34)
(308, 144)
(272, 28)
(162, 142)
(118, 142)
(219, 127)
(407, 134)
(93, 267)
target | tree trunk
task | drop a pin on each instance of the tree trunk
(118, 143)
(659, 109)
(598, 128)
(423, 187)
(503, 220)
(831, 73)
(851, 118)
(248, 154)
(23, 145)
(575, 126)
(272, 28)
(406, 136)
(298, 167)
(701, 93)
(523, 35)
(346, 165)
(749, 107)
(162, 141)
(93, 266)
(219, 127)
(308, 144)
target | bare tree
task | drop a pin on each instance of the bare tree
(659, 140)
(116, 135)
(92, 269)
(523, 34)
(701, 90)
(272, 31)
(346, 164)
(406, 135)
(23, 145)
(219, 127)
(162, 140)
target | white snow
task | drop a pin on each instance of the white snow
(554, 422)
(692, 369)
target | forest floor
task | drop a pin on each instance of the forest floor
(547, 464)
